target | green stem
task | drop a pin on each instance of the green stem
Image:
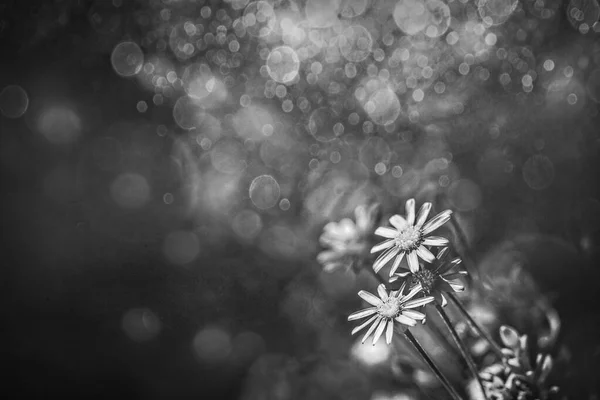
(496, 349)
(461, 346)
(431, 364)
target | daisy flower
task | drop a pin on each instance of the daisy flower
(347, 240)
(388, 309)
(437, 278)
(409, 236)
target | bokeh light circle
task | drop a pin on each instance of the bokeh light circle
(259, 18)
(411, 16)
(212, 345)
(321, 124)
(264, 192)
(383, 106)
(130, 190)
(59, 124)
(127, 59)
(141, 324)
(181, 247)
(13, 101)
(283, 64)
(538, 172)
(439, 18)
(355, 43)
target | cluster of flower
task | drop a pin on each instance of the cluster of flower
(430, 278)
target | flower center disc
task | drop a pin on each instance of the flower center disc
(426, 278)
(389, 309)
(409, 238)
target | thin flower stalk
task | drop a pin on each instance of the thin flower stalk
(434, 368)
(461, 346)
(473, 324)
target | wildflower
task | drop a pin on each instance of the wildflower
(410, 236)
(387, 309)
(436, 278)
(347, 240)
(516, 377)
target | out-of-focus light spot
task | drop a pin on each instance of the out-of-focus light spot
(259, 18)
(283, 64)
(548, 65)
(59, 124)
(141, 324)
(249, 122)
(237, 4)
(496, 12)
(383, 106)
(538, 172)
(375, 151)
(572, 98)
(411, 16)
(353, 8)
(264, 192)
(491, 39)
(355, 43)
(335, 157)
(321, 14)
(130, 190)
(107, 153)
(582, 14)
(188, 113)
(228, 156)
(371, 355)
(127, 59)
(321, 123)
(212, 345)
(418, 95)
(181, 247)
(142, 106)
(380, 168)
(246, 347)
(284, 204)
(168, 198)
(13, 101)
(464, 195)
(247, 224)
(439, 18)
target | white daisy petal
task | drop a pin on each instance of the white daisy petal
(367, 322)
(410, 212)
(413, 261)
(382, 246)
(436, 221)
(441, 252)
(370, 298)
(423, 214)
(379, 330)
(371, 328)
(396, 263)
(385, 258)
(413, 291)
(405, 320)
(389, 333)
(382, 292)
(362, 313)
(425, 254)
(418, 302)
(398, 222)
(413, 314)
(435, 241)
(456, 285)
(444, 301)
(386, 232)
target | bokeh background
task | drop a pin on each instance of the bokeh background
(167, 167)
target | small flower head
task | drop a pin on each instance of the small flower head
(437, 278)
(387, 310)
(347, 240)
(409, 236)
